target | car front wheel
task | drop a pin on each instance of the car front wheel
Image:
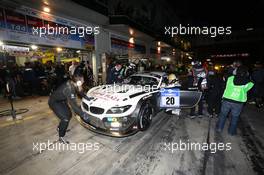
(145, 117)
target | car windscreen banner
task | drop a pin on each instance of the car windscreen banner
(169, 98)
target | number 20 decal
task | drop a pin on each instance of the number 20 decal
(170, 100)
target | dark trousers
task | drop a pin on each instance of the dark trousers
(63, 112)
(235, 109)
(214, 104)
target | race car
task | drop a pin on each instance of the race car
(121, 110)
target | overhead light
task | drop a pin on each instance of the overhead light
(158, 48)
(46, 2)
(78, 51)
(250, 29)
(216, 67)
(131, 31)
(208, 60)
(131, 40)
(46, 9)
(1, 43)
(34, 47)
(190, 57)
(159, 43)
(59, 49)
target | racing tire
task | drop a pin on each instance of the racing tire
(145, 117)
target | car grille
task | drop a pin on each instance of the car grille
(96, 110)
(85, 106)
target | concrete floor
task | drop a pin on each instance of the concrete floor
(144, 153)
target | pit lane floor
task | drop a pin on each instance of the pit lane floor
(144, 153)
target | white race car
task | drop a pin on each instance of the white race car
(123, 109)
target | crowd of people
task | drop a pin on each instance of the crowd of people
(227, 92)
(36, 78)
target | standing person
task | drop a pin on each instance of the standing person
(258, 78)
(214, 93)
(110, 66)
(72, 67)
(198, 79)
(88, 74)
(234, 98)
(64, 95)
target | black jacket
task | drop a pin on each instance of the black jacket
(66, 93)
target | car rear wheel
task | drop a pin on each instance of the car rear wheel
(145, 117)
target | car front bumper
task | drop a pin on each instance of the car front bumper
(109, 131)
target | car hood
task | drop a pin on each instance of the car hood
(114, 95)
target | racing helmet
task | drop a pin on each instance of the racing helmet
(172, 78)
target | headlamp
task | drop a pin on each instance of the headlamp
(118, 110)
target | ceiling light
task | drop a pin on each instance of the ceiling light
(131, 40)
(46, 9)
(250, 29)
(34, 47)
(59, 49)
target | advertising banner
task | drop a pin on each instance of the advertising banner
(19, 25)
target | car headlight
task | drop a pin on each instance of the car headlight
(118, 110)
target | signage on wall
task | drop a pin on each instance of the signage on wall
(18, 26)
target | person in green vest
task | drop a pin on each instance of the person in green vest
(234, 98)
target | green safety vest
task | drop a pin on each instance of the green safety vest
(236, 92)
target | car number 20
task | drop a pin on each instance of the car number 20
(170, 100)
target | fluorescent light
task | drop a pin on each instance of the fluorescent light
(59, 49)
(250, 29)
(78, 51)
(34, 47)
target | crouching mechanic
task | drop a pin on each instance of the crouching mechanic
(64, 95)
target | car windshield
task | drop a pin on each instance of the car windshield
(141, 80)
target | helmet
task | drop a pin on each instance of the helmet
(172, 78)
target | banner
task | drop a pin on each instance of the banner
(17, 26)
